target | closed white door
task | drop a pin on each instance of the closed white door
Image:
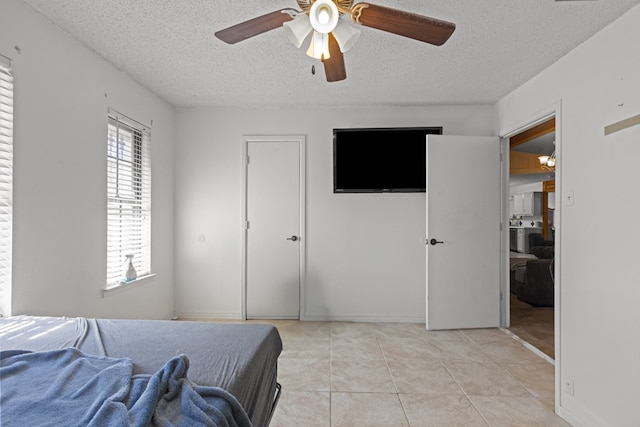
(463, 232)
(273, 231)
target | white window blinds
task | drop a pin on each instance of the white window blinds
(6, 183)
(128, 198)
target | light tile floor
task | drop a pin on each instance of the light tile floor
(391, 374)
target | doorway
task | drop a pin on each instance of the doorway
(273, 250)
(532, 161)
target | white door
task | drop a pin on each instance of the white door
(463, 213)
(273, 209)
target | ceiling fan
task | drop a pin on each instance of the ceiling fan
(332, 34)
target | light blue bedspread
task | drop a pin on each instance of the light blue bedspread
(67, 387)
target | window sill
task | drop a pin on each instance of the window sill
(123, 286)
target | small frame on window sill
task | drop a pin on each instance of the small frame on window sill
(123, 285)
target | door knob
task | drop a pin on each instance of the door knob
(434, 241)
(292, 238)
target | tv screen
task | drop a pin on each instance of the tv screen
(380, 160)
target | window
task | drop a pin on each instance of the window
(128, 198)
(6, 183)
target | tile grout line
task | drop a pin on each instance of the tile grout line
(330, 373)
(497, 363)
(393, 380)
(500, 365)
(464, 392)
(530, 347)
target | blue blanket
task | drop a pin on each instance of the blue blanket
(67, 387)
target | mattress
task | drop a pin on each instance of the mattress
(240, 358)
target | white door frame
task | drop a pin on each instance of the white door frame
(301, 140)
(554, 110)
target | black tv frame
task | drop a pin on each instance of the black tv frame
(428, 130)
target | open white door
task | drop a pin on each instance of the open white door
(463, 232)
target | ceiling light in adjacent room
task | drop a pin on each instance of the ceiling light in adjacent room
(548, 162)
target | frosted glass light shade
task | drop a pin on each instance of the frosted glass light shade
(298, 29)
(319, 46)
(346, 35)
(324, 16)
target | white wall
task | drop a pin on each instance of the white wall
(365, 260)
(597, 84)
(62, 92)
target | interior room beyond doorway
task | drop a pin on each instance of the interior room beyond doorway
(532, 235)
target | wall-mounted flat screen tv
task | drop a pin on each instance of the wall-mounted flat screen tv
(380, 160)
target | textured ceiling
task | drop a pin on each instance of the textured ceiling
(169, 47)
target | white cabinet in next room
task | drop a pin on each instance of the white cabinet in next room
(527, 204)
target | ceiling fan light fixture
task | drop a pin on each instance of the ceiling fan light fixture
(548, 162)
(324, 16)
(298, 29)
(346, 35)
(319, 46)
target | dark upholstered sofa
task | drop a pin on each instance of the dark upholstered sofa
(537, 288)
(537, 239)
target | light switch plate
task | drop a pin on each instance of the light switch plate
(568, 198)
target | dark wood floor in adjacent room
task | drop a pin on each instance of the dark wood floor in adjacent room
(534, 325)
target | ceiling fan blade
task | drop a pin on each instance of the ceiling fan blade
(253, 27)
(407, 24)
(334, 68)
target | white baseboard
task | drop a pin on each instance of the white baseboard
(324, 317)
(570, 417)
(208, 316)
(580, 416)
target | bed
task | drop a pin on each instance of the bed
(240, 359)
